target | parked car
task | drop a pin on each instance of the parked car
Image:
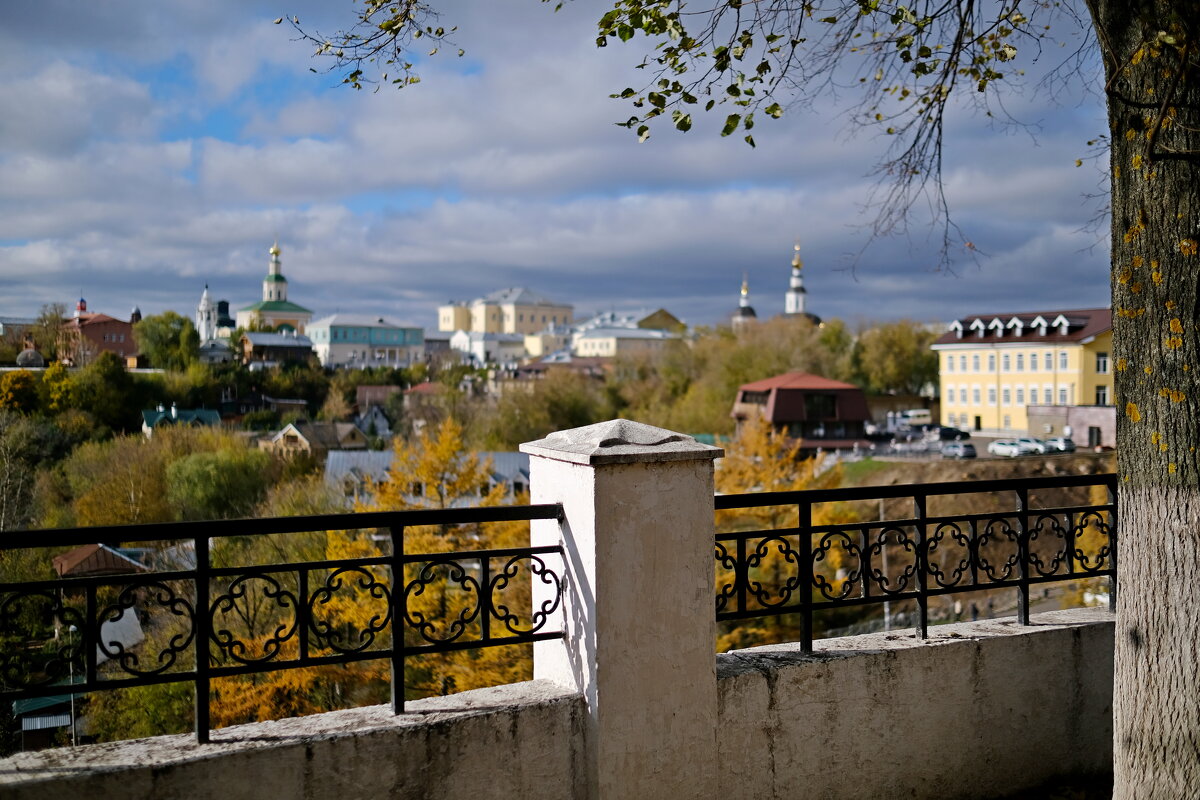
(1004, 447)
(958, 450)
(1030, 445)
(948, 434)
(1060, 444)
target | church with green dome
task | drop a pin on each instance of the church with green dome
(275, 309)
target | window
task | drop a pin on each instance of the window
(991, 362)
(1047, 362)
(949, 394)
(1062, 396)
(1006, 362)
(520, 317)
(975, 363)
(1020, 395)
(975, 395)
(1005, 397)
(1020, 362)
(962, 363)
(1062, 359)
(819, 406)
(962, 395)
(1101, 366)
(1032, 395)
(991, 395)
(1101, 395)
(1007, 422)
(950, 364)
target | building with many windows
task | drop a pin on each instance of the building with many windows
(506, 311)
(358, 340)
(992, 367)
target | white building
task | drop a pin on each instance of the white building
(361, 340)
(504, 349)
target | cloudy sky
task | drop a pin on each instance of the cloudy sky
(148, 149)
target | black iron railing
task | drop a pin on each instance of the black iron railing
(210, 621)
(903, 552)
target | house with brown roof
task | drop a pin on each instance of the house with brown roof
(315, 438)
(86, 335)
(818, 412)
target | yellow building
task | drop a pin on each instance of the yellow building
(506, 311)
(993, 367)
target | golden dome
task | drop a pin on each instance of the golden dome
(274, 249)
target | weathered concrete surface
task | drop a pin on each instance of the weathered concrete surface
(639, 623)
(518, 741)
(982, 710)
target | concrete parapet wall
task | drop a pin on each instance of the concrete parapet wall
(518, 741)
(981, 710)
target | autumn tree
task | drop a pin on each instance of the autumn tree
(434, 471)
(18, 391)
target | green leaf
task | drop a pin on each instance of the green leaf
(731, 124)
(750, 140)
(774, 110)
(624, 33)
(643, 133)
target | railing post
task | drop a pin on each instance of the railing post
(1023, 556)
(1111, 485)
(806, 576)
(203, 632)
(399, 615)
(638, 538)
(921, 511)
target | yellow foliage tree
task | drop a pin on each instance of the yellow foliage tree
(761, 459)
(434, 471)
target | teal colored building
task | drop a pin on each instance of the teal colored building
(360, 340)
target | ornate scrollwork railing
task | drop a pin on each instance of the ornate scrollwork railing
(193, 621)
(809, 567)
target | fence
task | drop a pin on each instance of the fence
(266, 617)
(293, 614)
(810, 566)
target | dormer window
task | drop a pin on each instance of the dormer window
(997, 326)
(979, 328)
(1017, 325)
(1062, 324)
(1039, 322)
(957, 327)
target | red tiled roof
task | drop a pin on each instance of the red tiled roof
(1083, 324)
(94, 559)
(794, 380)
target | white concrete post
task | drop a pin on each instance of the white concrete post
(639, 608)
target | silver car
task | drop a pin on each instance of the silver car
(1030, 445)
(1004, 447)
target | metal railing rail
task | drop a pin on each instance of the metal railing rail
(299, 635)
(938, 554)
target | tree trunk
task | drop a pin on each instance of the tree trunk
(1153, 88)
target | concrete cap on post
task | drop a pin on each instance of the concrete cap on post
(638, 611)
(620, 441)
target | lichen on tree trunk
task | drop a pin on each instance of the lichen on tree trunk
(1153, 89)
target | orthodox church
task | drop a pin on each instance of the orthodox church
(794, 302)
(275, 309)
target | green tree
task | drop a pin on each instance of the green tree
(218, 485)
(895, 358)
(104, 389)
(168, 340)
(910, 61)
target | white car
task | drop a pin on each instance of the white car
(1004, 447)
(1060, 444)
(1031, 445)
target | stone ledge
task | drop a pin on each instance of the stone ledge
(738, 661)
(161, 752)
